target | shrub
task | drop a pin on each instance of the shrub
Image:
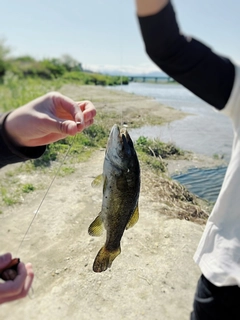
(157, 148)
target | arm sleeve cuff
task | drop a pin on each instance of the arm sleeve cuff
(9, 153)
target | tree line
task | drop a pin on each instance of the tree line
(65, 67)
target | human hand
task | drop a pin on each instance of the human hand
(47, 119)
(19, 287)
(150, 7)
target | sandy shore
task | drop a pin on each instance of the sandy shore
(153, 278)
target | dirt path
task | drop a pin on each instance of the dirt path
(153, 278)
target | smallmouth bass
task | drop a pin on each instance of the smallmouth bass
(121, 187)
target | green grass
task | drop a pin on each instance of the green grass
(153, 152)
(157, 148)
(15, 93)
(94, 79)
(66, 171)
(27, 188)
(7, 197)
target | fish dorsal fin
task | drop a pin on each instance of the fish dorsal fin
(134, 218)
(98, 181)
(96, 227)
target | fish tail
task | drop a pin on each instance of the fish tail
(104, 259)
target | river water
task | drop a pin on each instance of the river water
(204, 131)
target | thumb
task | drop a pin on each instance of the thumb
(68, 127)
(5, 259)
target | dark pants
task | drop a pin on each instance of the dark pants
(215, 303)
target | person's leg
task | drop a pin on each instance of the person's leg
(215, 303)
(204, 303)
(230, 300)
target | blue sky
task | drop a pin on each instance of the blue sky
(104, 34)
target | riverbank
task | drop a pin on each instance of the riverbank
(153, 278)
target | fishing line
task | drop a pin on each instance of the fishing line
(122, 94)
(45, 195)
(121, 60)
(121, 83)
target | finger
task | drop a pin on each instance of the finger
(88, 109)
(21, 293)
(89, 115)
(25, 288)
(71, 128)
(5, 259)
(13, 288)
(68, 105)
(68, 127)
(28, 282)
(86, 125)
(89, 123)
(86, 105)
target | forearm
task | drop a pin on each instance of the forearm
(9, 153)
(188, 61)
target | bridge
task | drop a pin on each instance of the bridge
(150, 79)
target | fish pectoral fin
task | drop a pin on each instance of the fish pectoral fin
(104, 259)
(96, 227)
(98, 181)
(134, 218)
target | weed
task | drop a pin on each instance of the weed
(152, 152)
(158, 148)
(28, 187)
(7, 200)
(66, 171)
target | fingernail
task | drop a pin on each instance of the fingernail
(78, 123)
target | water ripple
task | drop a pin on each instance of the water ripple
(205, 183)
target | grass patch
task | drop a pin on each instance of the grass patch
(27, 188)
(154, 152)
(7, 197)
(66, 171)
(157, 148)
(15, 93)
(86, 78)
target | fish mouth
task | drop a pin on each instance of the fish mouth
(125, 141)
(120, 140)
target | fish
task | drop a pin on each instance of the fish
(120, 199)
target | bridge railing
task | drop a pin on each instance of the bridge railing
(150, 79)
